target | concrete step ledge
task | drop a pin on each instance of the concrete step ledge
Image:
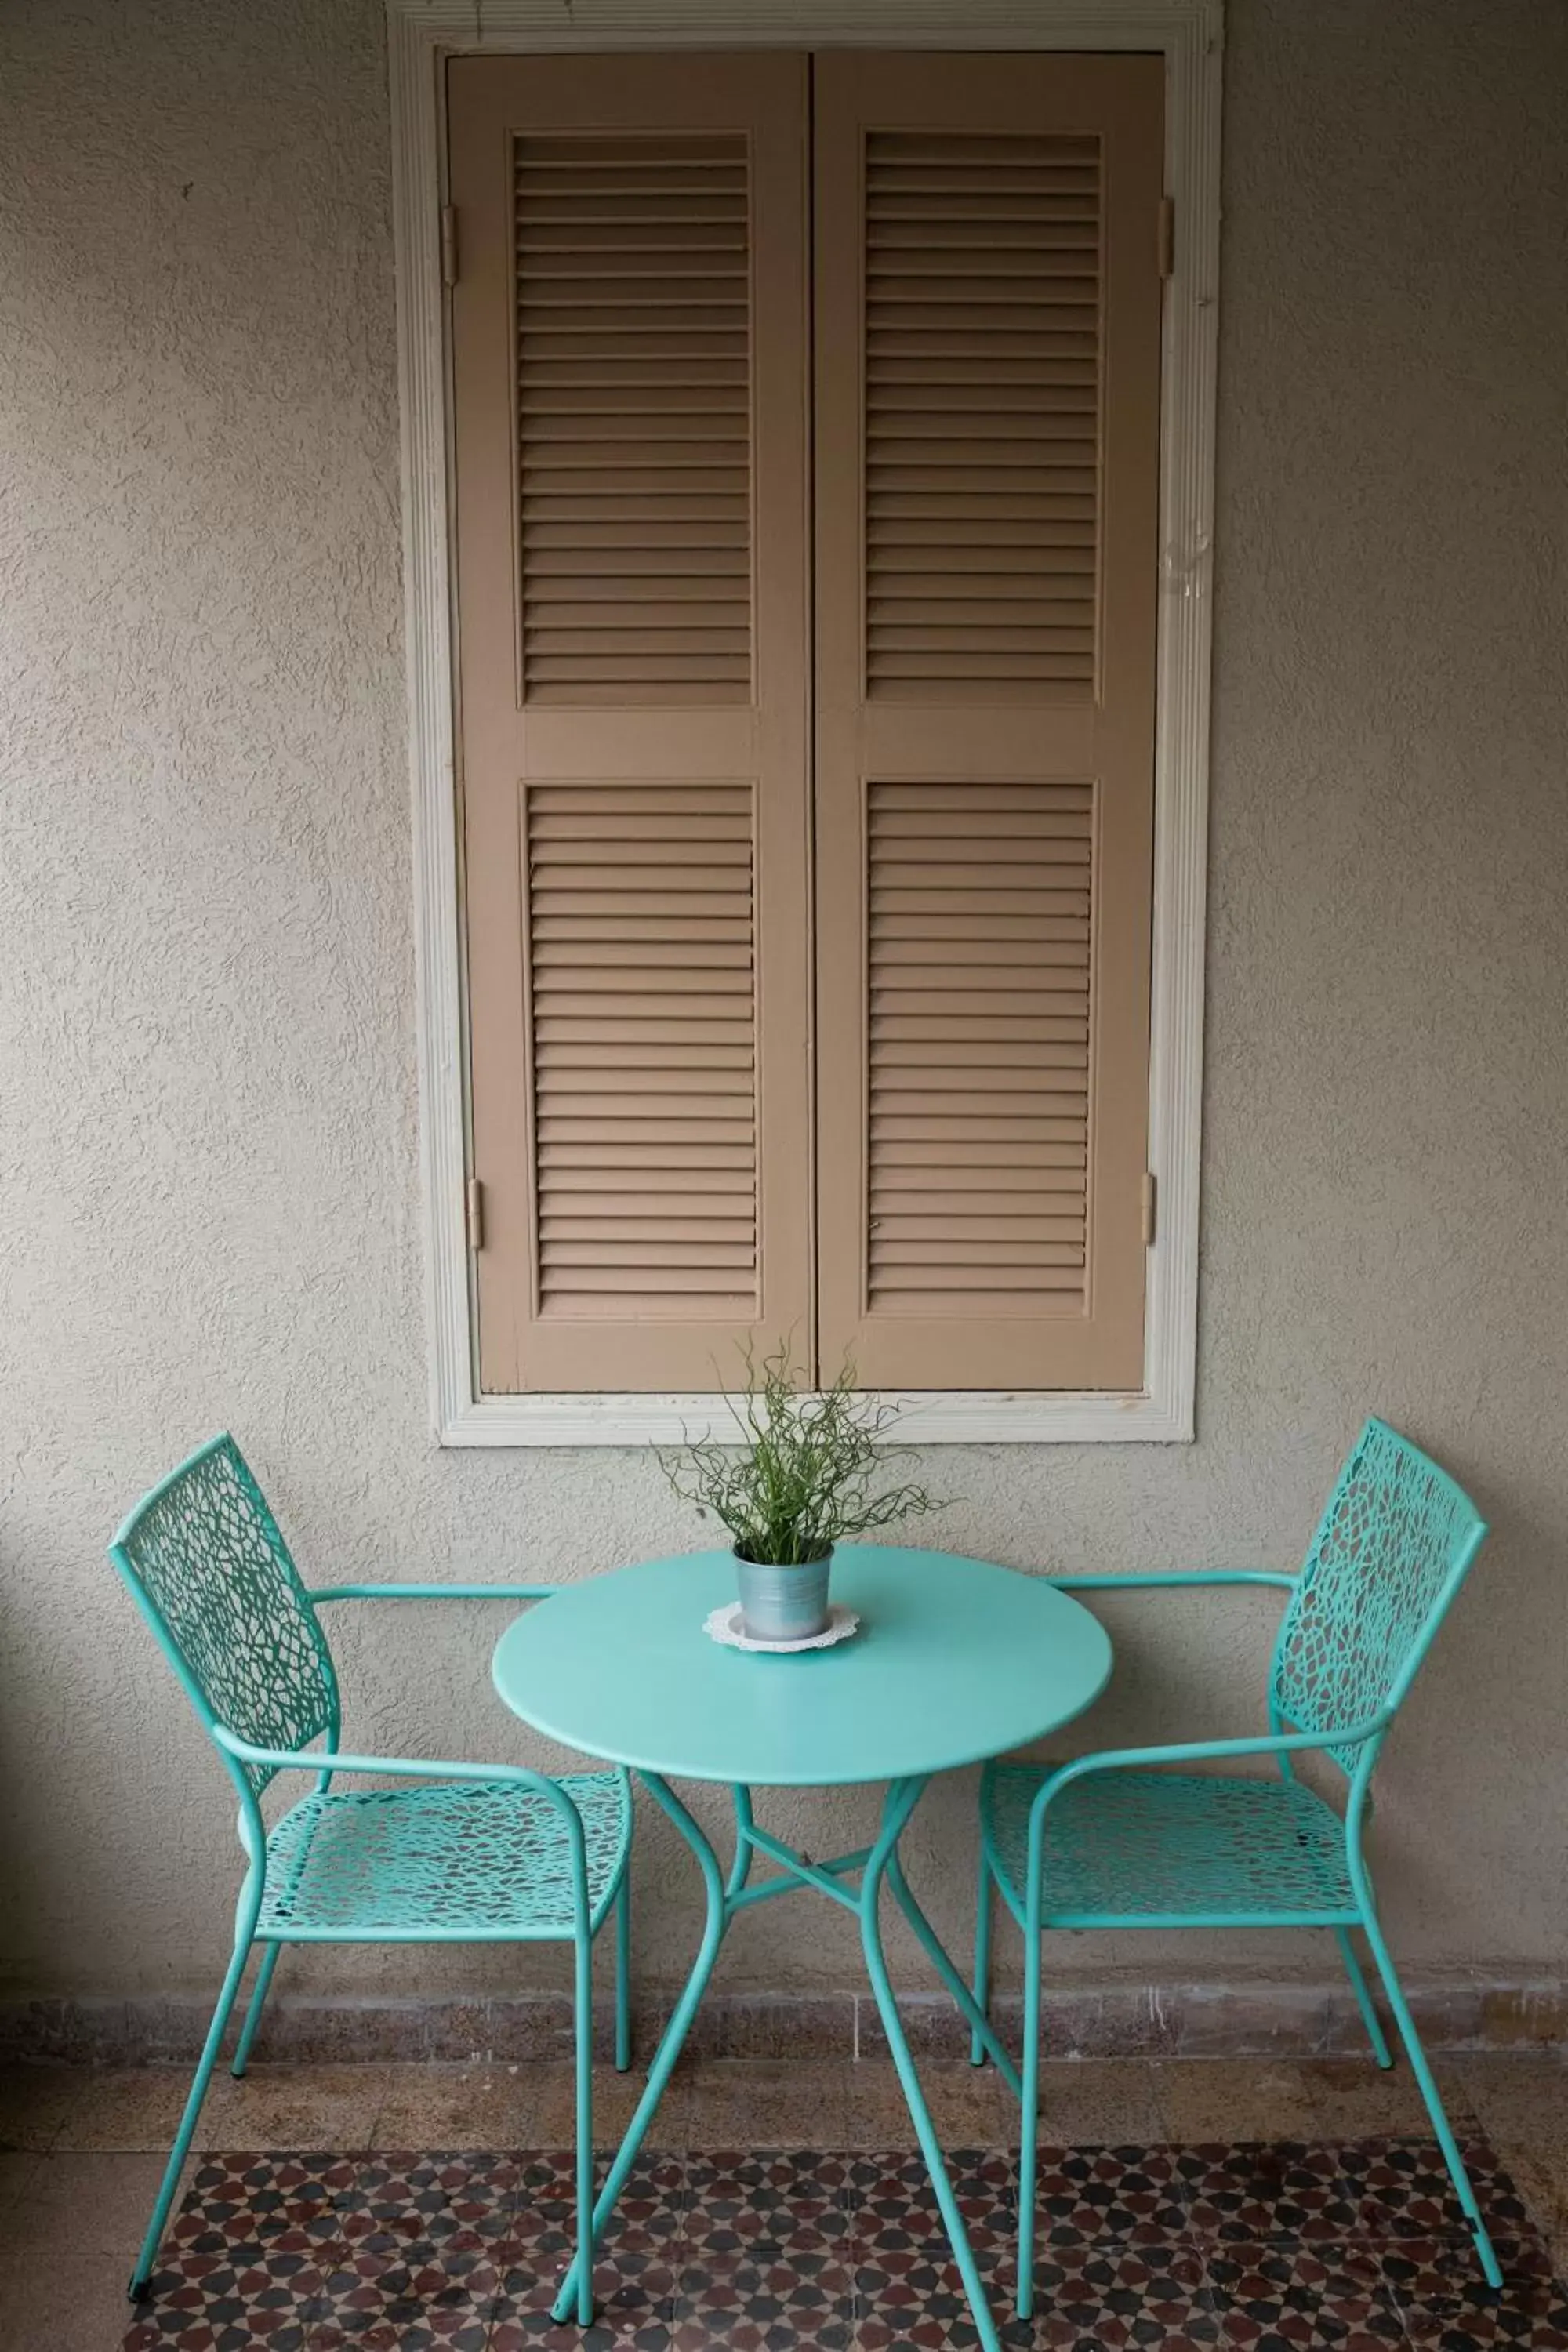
(1121, 2020)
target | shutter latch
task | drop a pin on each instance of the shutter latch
(1148, 1196)
(1167, 236)
(448, 244)
(476, 1213)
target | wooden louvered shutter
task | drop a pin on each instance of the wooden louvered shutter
(629, 342)
(987, 426)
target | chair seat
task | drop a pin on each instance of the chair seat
(440, 1860)
(1163, 1849)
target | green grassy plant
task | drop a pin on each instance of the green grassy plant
(806, 1471)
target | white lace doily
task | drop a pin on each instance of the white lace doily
(724, 1625)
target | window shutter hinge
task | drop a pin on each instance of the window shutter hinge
(448, 244)
(1148, 1196)
(1167, 236)
(476, 1213)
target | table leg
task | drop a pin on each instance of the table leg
(968, 2008)
(901, 1800)
(671, 2040)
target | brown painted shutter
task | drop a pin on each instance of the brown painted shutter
(630, 348)
(987, 426)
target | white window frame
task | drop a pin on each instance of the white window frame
(422, 34)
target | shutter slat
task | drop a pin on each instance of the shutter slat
(616, 552)
(988, 1158)
(632, 323)
(638, 1176)
(685, 1260)
(978, 1101)
(985, 1127)
(982, 411)
(655, 1101)
(628, 1290)
(631, 1055)
(968, 1192)
(938, 1064)
(957, 1028)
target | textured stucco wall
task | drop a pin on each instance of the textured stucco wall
(207, 1116)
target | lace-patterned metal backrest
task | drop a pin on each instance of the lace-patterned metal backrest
(1391, 1551)
(206, 1562)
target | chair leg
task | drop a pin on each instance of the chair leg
(584, 2062)
(1369, 2016)
(983, 1908)
(260, 1990)
(1433, 2098)
(1028, 2126)
(624, 1974)
(140, 2275)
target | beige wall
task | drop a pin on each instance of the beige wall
(207, 1115)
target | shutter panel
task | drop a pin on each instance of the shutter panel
(633, 425)
(981, 425)
(987, 419)
(629, 339)
(977, 949)
(642, 985)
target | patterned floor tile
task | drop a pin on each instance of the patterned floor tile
(1259, 2190)
(895, 2207)
(403, 2328)
(1293, 2298)
(912, 2300)
(649, 2211)
(633, 2296)
(1117, 2297)
(1135, 2194)
(421, 2204)
(764, 2204)
(1404, 2191)
(227, 2301)
(1446, 2306)
(1266, 2246)
(1088, 2298)
(440, 2299)
(290, 2203)
(789, 2303)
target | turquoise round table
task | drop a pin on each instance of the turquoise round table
(956, 1661)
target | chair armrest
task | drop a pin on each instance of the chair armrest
(432, 1592)
(1183, 1576)
(1190, 1752)
(402, 1768)
(1194, 1751)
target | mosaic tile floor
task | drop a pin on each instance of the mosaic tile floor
(1262, 2246)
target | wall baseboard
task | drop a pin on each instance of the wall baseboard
(1246, 2019)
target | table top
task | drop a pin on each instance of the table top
(956, 1660)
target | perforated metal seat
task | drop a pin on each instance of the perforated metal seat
(1167, 1849)
(460, 1859)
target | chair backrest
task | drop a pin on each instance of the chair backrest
(1391, 1551)
(204, 1559)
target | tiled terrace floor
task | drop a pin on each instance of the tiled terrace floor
(1325, 2235)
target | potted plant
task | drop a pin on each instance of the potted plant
(804, 1475)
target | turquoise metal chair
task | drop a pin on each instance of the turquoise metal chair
(470, 1853)
(1118, 1840)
